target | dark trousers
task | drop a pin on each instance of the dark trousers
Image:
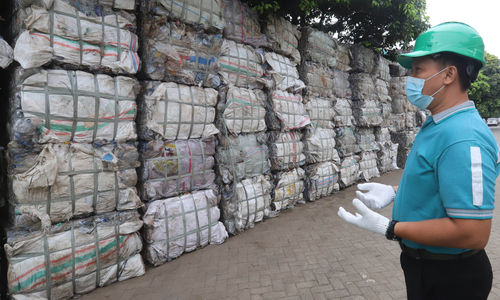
(468, 278)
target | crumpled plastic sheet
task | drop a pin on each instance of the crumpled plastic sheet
(284, 72)
(181, 224)
(173, 51)
(318, 46)
(286, 111)
(341, 84)
(363, 87)
(319, 145)
(367, 140)
(245, 203)
(349, 171)
(321, 180)
(59, 32)
(404, 138)
(71, 180)
(242, 66)
(382, 90)
(347, 141)
(363, 59)
(382, 135)
(387, 157)
(386, 114)
(368, 166)
(320, 111)
(242, 156)
(60, 106)
(381, 69)
(206, 14)
(175, 167)
(172, 111)
(65, 261)
(344, 58)
(411, 120)
(6, 54)
(368, 113)
(286, 150)
(343, 113)
(319, 79)
(242, 24)
(288, 189)
(283, 37)
(398, 122)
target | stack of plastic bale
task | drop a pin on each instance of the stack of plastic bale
(176, 125)
(72, 156)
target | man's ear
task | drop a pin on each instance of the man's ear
(451, 74)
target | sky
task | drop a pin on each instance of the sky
(483, 15)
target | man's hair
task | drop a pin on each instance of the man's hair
(468, 68)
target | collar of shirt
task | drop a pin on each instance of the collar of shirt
(437, 118)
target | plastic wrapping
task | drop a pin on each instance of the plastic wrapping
(318, 46)
(286, 150)
(382, 90)
(319, 145)
(319, 79)
(321, 180)
(363, 59)
(70, 180)
(60, 106)
(245, 203)
(349, 171)
(368, 166)
(242, 24)
(320, 111)
(65, 262)
(207, 14)
(241, 110)
(175, 167)
(347, 141)
(284, 73)
(242, 156)
(286, 112)
(175, 111)
(341, 84)
(343, 113)
(368, 113)
(363, 87)
(176, 52)
(181, 224)
(366, 140)
(288, 189)
(387, 157)
(381, 69)
(6, 54)
(283, 37)
(241, 66)
(57, 31)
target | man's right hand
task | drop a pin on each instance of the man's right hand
(376, 195)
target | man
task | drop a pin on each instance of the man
(444, 203)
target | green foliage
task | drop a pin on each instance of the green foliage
(485, 91)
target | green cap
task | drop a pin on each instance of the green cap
(453, 37)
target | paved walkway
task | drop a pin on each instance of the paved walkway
(306, 253)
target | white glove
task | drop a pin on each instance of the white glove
(377, 195)
(366, 219)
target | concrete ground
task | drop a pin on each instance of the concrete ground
(306, 253)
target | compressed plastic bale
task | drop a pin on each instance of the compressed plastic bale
(284, 72)
(87, 7)
(344, 58)
(363, 59)
(319, 145)
(398, 122)
(286, 111)
(241, 110)
(386, 114)
(172, 111)
(382, 90)
(382, 135)
(387, 157)
(402, 156)
(242, 24)
(381, 69)
(240, 65)
(59, 32)
(207, 14)
(288, 189)
(177, 52)
(318, 46)
(61, 106)
(400, 103)
(6, 54)
(396, 70)
(363, 87)
(283, 37)
(368, 113)
(411, 120)
(404, 138)
(347, 141)
(341, 84)
(421, 117)
(319, 79)
(181, 224)
(321, 180)
(343, 113)
(242, 156)
(175, 167)
(74, 258)
(320, 111)
(368, 166)
(70, 180)
(349, 171)
(245, 203)
(286, 150)
(367, 140)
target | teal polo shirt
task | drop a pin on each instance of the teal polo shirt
(450, 171)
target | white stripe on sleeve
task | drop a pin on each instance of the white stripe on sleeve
(477, 176)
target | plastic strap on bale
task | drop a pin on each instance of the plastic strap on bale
(48, 271)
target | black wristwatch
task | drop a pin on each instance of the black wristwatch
(389, 233)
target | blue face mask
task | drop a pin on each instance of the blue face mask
(414, 88)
